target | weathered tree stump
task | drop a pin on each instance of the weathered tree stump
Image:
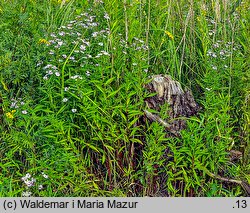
(181, 103)
(176, 104)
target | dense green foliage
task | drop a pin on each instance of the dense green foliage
(72, 95)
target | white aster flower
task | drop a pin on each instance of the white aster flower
(28, 175)
(87, 73)
(106, 16)
(74, 110)
(26, 194)
(94, 34)
(65, 100)
(214, 67)
(62, 33)
(49, 72)
(40, 187)
(45, 176)
(83, 47)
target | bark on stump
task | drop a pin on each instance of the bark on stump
(181, 103)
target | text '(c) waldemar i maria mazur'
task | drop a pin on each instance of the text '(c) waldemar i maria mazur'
(78, 204)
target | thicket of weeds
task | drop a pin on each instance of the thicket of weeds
(72, 94)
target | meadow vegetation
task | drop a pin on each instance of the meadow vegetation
(72, 92)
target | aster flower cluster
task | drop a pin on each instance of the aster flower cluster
(219, 60)
(81, 35)
(221, 52)
(30, 182)
(136, 45)
(80, 50)
(219, 55)
(18, 104)
(50, 70)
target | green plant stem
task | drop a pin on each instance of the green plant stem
(63, 69)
